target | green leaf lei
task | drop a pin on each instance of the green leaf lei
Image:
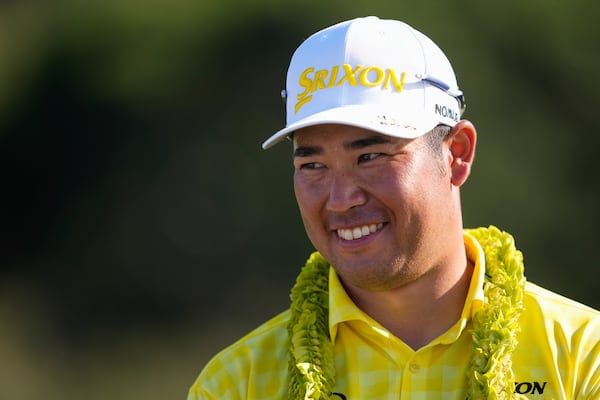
(495, 325)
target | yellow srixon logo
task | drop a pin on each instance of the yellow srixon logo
(339, 75)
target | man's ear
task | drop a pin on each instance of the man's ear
(462, 140)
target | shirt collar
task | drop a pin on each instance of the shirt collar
(476, 256)
(343, 309)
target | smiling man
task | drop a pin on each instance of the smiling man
(376, 206)
(399, 301)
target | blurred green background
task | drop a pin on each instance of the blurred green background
(142, 228)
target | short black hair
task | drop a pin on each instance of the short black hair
(434, 139)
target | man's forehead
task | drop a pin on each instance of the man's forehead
(345, 135)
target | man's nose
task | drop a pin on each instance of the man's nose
(345, 192)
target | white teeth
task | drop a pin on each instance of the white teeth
(358, 232)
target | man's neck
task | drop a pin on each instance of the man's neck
(420, 311)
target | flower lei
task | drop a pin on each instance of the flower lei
(495, 325)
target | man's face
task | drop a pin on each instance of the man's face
(375, 206)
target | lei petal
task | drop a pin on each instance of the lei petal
(496, 324)
(311, 366)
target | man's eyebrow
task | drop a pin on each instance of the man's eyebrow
(307, 151)
(368, 141)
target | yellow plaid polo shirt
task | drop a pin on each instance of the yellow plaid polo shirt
(558, 356)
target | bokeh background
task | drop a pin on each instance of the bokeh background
(142, 228)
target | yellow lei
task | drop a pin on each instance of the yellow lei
(495, 325)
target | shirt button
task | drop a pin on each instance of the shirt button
(413, 367)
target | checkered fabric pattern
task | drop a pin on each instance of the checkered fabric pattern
(558, 356)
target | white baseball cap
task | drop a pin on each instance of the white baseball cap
(372, 73)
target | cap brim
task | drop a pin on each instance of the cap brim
(373, 117)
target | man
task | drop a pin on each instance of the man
(399, 301)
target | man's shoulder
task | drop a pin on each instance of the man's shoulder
(560, 308)
(267, 337)
(274, 327)
(256, 362)
(558, 344)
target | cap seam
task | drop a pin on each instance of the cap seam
(425, 65)
(347, 40)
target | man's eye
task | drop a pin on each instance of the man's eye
(311, 165)
(368, 157)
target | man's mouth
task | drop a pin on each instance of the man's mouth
(359, 231)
